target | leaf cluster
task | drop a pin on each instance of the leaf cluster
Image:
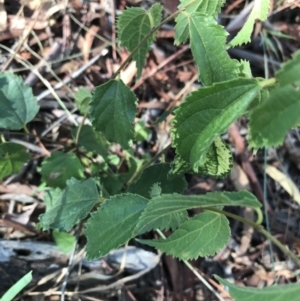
(84, 183)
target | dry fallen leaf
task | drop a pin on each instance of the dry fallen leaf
(286, 183)
(3, 16)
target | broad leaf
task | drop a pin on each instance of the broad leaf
(203, 235)
(91, 140)
(160, 209)
(205, 7)
(59, 168)
(158, 173)
(111, 183)
(112, 224)
(64, 241)
(72, 205)
(82, 98)
(18, 105)
(133, 26)
(12, 157)
(113, 109)
(270, 121)
(206, 114)
(217, 164)
(289, 72)
(259, 11)
(290, 292)
(207, 40)
(51, 197)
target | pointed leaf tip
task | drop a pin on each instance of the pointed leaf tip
(133, 25)
(203, 235)
(290, 292)
(18, 105)
(113, 223)
(113, 109)
(206, 114)
(71, 205)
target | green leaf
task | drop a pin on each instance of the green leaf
(158, 173)
(112, 224)
(82, 99)
(133, 26)
(204, 234)
(141, 131)
(155, 190)
(289, 72)
(262, 96)
(259, 11)
(207, 40)
(59, 168)
(180, 166)
(133, 164)
(290, 292)
(270, 121)
(64, 241)
(91, 141)
(73, 205)
(12, 158)
(160, 208)
(111, 183)
(113, 109)
(51, 197)
(218, 161)
(205, 7)
(18, 105)
(17, 287)
(245, 69)
(217, 164)
(206, 114)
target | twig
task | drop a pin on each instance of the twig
(45, 82)
(23, 40)
(120, 282)
(284, 6)
(161, 65)
(247, 167)
(232, 6)
(196, 272)
(150, 33)
(113, 29)
(70, 265)
(260, 229)
(73, 75)
(136, 174)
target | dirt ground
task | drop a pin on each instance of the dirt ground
(73, 43)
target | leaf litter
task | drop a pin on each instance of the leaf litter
(67, 43)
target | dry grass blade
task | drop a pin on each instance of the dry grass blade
(285, 181)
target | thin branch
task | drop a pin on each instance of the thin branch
(260, 229)
(136, 174)
(196, 272)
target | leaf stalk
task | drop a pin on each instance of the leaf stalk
(260, 229)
